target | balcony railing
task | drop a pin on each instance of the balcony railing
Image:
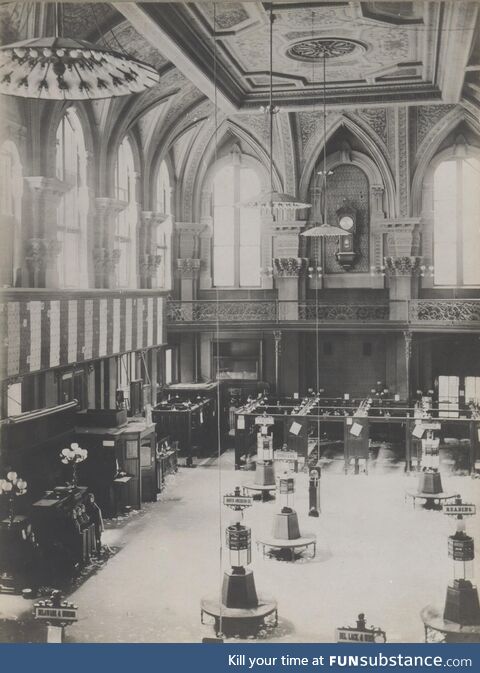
(445, 311)
(271, 311)
(423, 312)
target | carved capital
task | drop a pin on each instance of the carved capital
(188, 267)
(289, 267)
(41, 252)
(153, 219)
(402, 266)
(105, 260)
(149, 264)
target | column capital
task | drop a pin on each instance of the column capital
(40, 252)
(106, 204)
(105, 260)
(153, 218)
(42, 184)
(188, 267)
(289, 267)
(402, 266)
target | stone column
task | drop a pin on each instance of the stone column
(277, 335)
(401, 263)
(105, 255)
(41, 241)
(188, 270)
(288, 273)
(149, 256)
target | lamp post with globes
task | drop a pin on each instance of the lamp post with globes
(12, 486)
(72, 456)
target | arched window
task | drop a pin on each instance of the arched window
(126, 222)
(163, 231)
(72, 212)
(456, 236)
(11, 191)
(236, 229)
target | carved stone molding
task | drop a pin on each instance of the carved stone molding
(402, 236)
(40, 252)
(188, 267)
(289, 267)
(402, 266)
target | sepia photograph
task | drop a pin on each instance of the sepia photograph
(239, 322)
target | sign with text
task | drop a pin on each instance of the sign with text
(463, 509)
(61, 614)
(356, 636)
(237, 500)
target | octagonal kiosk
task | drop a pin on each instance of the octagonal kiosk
(264, 479)
(460, 620)
(239, 610)
(287, 541)
(429, 486)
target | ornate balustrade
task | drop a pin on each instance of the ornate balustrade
(445, 311)
(342, 312)
(270, 311)
(224, 311)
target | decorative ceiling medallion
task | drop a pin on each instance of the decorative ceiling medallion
(323, 47)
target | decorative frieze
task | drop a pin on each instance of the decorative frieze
(289, 267)
(445, 311)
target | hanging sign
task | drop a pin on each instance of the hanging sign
(240, 422)
(286, 456)
(295, 428)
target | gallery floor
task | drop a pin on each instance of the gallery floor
(375, 554)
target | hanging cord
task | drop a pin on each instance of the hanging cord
(270, 106)
(217, 333)
(101, 35)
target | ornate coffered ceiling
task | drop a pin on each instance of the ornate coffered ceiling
(377, 52)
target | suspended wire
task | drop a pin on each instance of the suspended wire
(101, 36)
(217, 329)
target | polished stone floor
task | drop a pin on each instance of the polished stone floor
(375, 554)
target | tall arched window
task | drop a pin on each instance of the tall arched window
(127, 219)
(11, 191)
(456, 236)
(72, 212)
(236, 230)
(163, 231)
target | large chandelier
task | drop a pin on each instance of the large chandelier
(273, 202)
(61, 68)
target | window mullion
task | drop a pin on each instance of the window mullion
(459, 223)
(236, 223)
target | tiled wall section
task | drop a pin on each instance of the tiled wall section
(56, 329)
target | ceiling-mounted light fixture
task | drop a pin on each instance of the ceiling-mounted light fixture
(61, 68)
(273, 202)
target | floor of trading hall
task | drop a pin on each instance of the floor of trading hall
(375, 554)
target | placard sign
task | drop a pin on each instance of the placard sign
(62, 614)
(287, 456)
(237, 500)
(264, 420)
(353, 636)
(463, 509)
(295, 428)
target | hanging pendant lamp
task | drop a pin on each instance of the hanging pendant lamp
(273, 202)
(61, 68)
(324, 230)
